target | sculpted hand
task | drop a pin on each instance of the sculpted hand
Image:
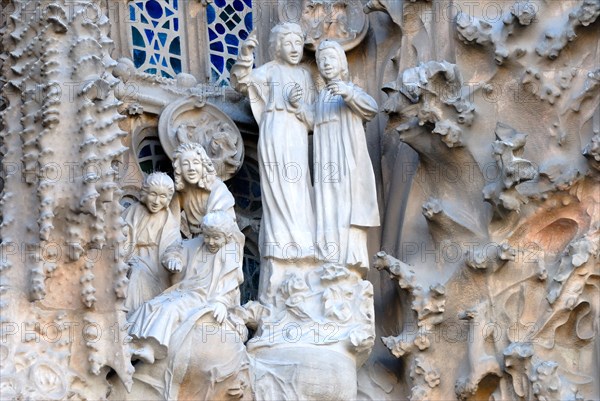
(248, 46)
(339, 88)
(220, 312)
(174, 265)
(295, 95)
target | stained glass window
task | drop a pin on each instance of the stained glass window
(251, 268)
(229, 23)
(156, 41)
(151, 156)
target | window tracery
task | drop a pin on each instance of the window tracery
(229, 23)
(155, 37)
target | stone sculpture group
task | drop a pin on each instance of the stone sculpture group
(313, 242)
(118, 282)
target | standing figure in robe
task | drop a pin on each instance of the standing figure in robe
(345, 193)
(199, 189)
(152, 227)
(278, 90)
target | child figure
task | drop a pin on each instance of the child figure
(345, 193)
(152, 227)
(209, 268)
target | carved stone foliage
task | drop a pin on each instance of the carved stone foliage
(513, 234)
(339, 20)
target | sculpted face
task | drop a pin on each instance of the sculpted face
(329, 65)
(291, 48)
(191, 167)
(214, 240)
(157, 198)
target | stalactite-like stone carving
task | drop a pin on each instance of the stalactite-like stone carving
(513, 169)
(556, 38)
(61, 197)
(474, 30)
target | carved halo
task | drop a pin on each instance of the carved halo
(341, 20)
(193, 120)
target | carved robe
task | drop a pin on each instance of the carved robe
(197, 202)
(149, 236)
(345, 193)
(286, 189)
(207, 278)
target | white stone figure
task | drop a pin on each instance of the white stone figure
(345, 193)
(209, 272)
(199, 189)
(152, 227)
(277, 91)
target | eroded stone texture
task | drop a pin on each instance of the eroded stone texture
(485, 155)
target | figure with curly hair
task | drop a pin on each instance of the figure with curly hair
(199, 189)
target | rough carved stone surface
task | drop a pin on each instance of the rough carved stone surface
(482, 165)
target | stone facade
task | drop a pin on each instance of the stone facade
(463, 139)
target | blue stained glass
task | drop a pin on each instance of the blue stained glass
(176, 24)
(155, 23)
(256, 189)
(175, 47)
(151, 70)
(146, 151)
(238, 5)
(138, 40)
(242, 186)
(149, 34)
(167, 25)
(210, 14)
(153, 59)
(216, 46)
(162, 37)
(248, 22)
(164, 63)
(144, 20)
(168, 12)
(156, 46)
(211, 35)
(229, 21)
(243, 202)
(176, 64)
(175, 5)
(231, 24)
(231, 40)
(230, 63)
(131, 13)
(154, 9)
(140, 4)
(165, 74)
(217, 61)
(139, 57)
